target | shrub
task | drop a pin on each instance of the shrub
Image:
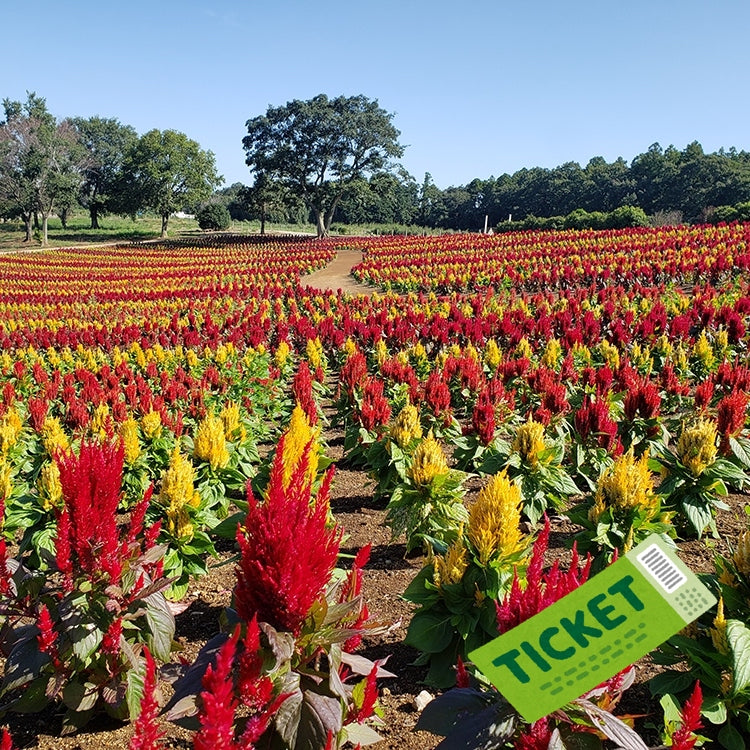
(214, 216)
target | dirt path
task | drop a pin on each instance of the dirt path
(337, 274)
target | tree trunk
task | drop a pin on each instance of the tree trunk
(36, 220)
(64, 218)
(320, 224)
(94, 214)
(27, 225)
(45, 239)
(263, 219)
(329, 214)
(164, 222)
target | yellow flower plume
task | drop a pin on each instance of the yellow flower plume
(494, 519)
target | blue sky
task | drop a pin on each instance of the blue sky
(477, 89)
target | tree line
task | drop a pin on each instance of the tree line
(335, 159)
(49, 166)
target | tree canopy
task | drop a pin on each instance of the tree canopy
(317, 148)
(106, 141)
(166, 171)
(41, 161)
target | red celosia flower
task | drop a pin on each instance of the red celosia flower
(352, 588)
(287, 549)
(303, 393)
(462, 674)
(47, 637)
(537, 736)
(375, 410)
(730, 417)
(91, 491)
(6, 741)
(255, 689)
(63, 552)
(483, 418)
(542, 588)
(642, 400)
(369, 698)
(437, 395)
(703, 394)
(594, 420)
(684, 738)
(146, 733)
(111, 639)
(218, 702)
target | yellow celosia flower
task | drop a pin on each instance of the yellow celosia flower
(696, 447)
(529, 442)
(741, 556)
(552, 352)
(6, 483)
(297, 437)
(10, 429)
(53, 436)
(130, 442)
(610, 353)
(418, 352)
(350, 347)
(151, 424)
(492, 355)
(721, 339)
(524, 348)
(381, 351)
(281, 354)
(494, 519)
(230, 418)
(680, 358)
(101, 422)
(406, 427)
(209, 443)
(191, 358)
(450, 567)
(49, 487)
(314, 353)
(627, 484)
(428, 462)
(703, 351)
(719, 629)
(178, 491)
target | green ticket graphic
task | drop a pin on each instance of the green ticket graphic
(594, 632)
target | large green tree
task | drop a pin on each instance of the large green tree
(317, 148)
(41, 161)
(106, 141)
(166, 171)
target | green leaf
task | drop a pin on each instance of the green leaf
(361, 734)
(714, 709)
(161, 625)
(443, 714)
(80, 697)
(86, 638)
(738, 637)
(741, 449)
(429, 631)
(672, 709)
(670, 682)
(730, 738)
(134, 690)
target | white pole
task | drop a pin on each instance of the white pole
(486, 217)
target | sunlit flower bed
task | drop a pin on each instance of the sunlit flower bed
(603, 375)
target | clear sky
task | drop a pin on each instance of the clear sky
(477, 88)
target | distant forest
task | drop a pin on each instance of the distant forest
(666, 184)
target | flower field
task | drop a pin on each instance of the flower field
(167, 408)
